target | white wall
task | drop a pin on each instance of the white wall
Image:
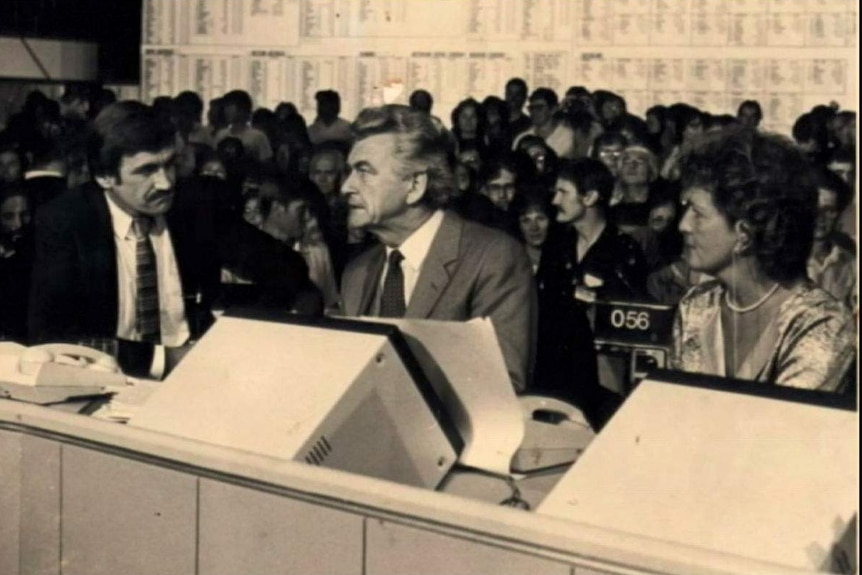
(61, 60)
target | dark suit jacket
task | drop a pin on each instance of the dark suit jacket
(470, 271)
(42, 189)
(74, 286)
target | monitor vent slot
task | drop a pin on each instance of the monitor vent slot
(319, 452)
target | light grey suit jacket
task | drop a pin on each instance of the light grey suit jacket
(470, 271)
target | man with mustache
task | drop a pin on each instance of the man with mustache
(130, 257)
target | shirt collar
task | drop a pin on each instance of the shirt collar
(122, 221)
(29, 175)
(416, 247)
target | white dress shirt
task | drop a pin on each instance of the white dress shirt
(414, 249)
(174, 327)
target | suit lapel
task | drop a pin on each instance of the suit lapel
(368, 281)
(437, 268)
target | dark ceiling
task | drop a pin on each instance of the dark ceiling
(114, 24)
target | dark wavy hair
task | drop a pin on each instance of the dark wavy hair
(762, 180)
(421, 148)
(124, 129)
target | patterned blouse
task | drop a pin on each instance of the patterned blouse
(813, 344)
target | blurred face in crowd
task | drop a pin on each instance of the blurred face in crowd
(539, 155)
(693, 129)
(501, 189)
(214, 169)
(653, 123)
(462, 177)
(516, 95)
(377, 193)
(144, 183)
(827, 214)
(14, 215)
(571, 205)
(11, 169)
(661, 217)
(251, 211)
(709, 237)
(612, 110)
(471, 157)
(610, 155)
(534, 224)
(468, 121)
(634, 168)
(325, 172)
(541, 112)
(748, 116)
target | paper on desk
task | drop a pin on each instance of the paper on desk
(465, 366)
(126, 400)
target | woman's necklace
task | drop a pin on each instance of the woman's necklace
(739, 309)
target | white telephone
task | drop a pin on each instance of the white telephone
(556, 433)
(55, 372)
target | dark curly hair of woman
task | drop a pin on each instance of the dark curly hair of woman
(763, 181)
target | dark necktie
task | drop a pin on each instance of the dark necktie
(392, 298)
(147, 296)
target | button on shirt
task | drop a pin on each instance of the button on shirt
(174, 327)
(414, 249)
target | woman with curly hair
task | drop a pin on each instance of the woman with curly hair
(749, 222)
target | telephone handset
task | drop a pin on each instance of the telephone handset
(556, 433)
(66, 354)
(56, 372)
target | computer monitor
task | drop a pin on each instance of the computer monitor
(748, 469)
(337, 393)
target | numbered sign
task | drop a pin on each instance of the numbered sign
(633, 324)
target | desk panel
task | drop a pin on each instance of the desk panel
(10, 500)
(135, 501)
(124, 516)
(247, 531)
(394, 549)
(40, 506)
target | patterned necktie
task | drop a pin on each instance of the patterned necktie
(392, 298)
(147, 296)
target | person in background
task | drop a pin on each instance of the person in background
(516, 96)
(468, 127)
(423, 101)
(12, 162)
(46, 178)
(812, 137)
(328, 126)
(535, 214)
(547, 124)
(16, 262)
(188, 109)
(603, 262)
(842, 163)
(748, 222)
(497, 129)
(830, 265)
(326, 170)
(630, 205)
(608, 149)
(497, 182)
(237, 112)
(566, 365)
(430, 263)
(749, 114)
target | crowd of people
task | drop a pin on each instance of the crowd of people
(542, 205)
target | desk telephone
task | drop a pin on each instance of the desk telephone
(556, 433)
(55, 372)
